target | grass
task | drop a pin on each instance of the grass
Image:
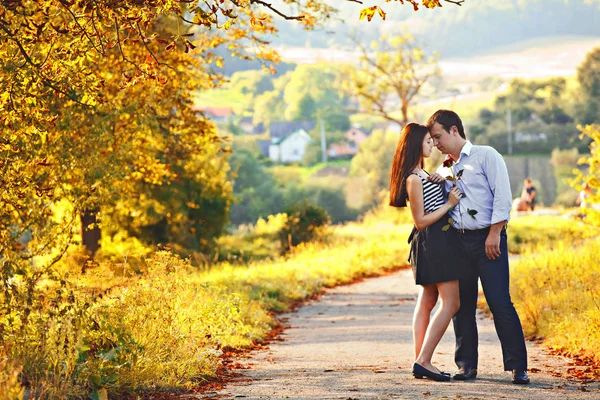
(221, 97)
(557, 295)
(319, 166)
(531, 232)
(166, 326)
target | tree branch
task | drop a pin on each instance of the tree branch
(270, 7)
(457, 2)
(117, 29)
(137, 25)
(83, 30)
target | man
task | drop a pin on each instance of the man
(480, 223)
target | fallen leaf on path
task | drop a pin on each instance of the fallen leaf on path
(534, 370)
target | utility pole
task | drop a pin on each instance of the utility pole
(323, 143)
(509, 129)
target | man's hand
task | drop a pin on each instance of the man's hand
(492, 245)
(436, 178)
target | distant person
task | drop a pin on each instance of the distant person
(480, 221)
(433, 248)
(528, 194)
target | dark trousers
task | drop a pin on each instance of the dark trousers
(495, 282)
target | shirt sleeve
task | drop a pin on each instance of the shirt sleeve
(497, 175)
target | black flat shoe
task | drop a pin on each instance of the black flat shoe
(421, 372)
(465, 373)
(520, 377)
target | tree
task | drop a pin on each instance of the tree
(588, 77)
(592, 176)
(373, 161)
(394, 71)
(254, 188)
(307, 108)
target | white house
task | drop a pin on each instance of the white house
(290, 148)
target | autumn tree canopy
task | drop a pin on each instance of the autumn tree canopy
(95, 112)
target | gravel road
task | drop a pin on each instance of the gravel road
(355, 342)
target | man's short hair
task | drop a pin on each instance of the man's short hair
(447, 119)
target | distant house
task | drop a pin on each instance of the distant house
(246, 125)
(355, 136)
(264, 147)
(221, 114)
(258, 129)
(281, 129)
(290, 148)
(527, 137)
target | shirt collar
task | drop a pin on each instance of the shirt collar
(466, 150)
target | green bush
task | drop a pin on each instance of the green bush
(305, 222)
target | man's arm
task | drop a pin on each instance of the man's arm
(497, 175)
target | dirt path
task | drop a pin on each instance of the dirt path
(355, 343)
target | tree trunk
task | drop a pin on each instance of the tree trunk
(90, 235)
(404, 109)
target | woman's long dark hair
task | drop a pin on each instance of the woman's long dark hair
(408, 156)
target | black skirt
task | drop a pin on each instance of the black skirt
(434, 253)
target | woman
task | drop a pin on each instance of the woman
(432, 245)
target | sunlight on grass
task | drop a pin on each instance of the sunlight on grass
(543, 231)
(165, 324)
(557, 295)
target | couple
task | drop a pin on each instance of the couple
(455, 242)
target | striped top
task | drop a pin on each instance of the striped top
(433, 197)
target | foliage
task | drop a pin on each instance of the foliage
(252, 242)
(369, 12)
(307, 109)
(167, 326)
(592, 175)
(556, 294)
(373, 161)
(540, 121)
(306, 93)
(305, 223)
(331, 197)
(563, 162)
(392, 70)
(588, 77)
(255, 189)
(544, 98)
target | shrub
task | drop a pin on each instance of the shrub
(305, 222)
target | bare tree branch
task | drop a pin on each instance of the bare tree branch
(270, 7)
(457, 2)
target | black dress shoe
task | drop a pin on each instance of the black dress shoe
(421, 372)
(520, 377)
(465, 373)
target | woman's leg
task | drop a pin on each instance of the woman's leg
(450, 303)
(428, 295)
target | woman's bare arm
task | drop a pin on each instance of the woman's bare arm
(414, 188)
